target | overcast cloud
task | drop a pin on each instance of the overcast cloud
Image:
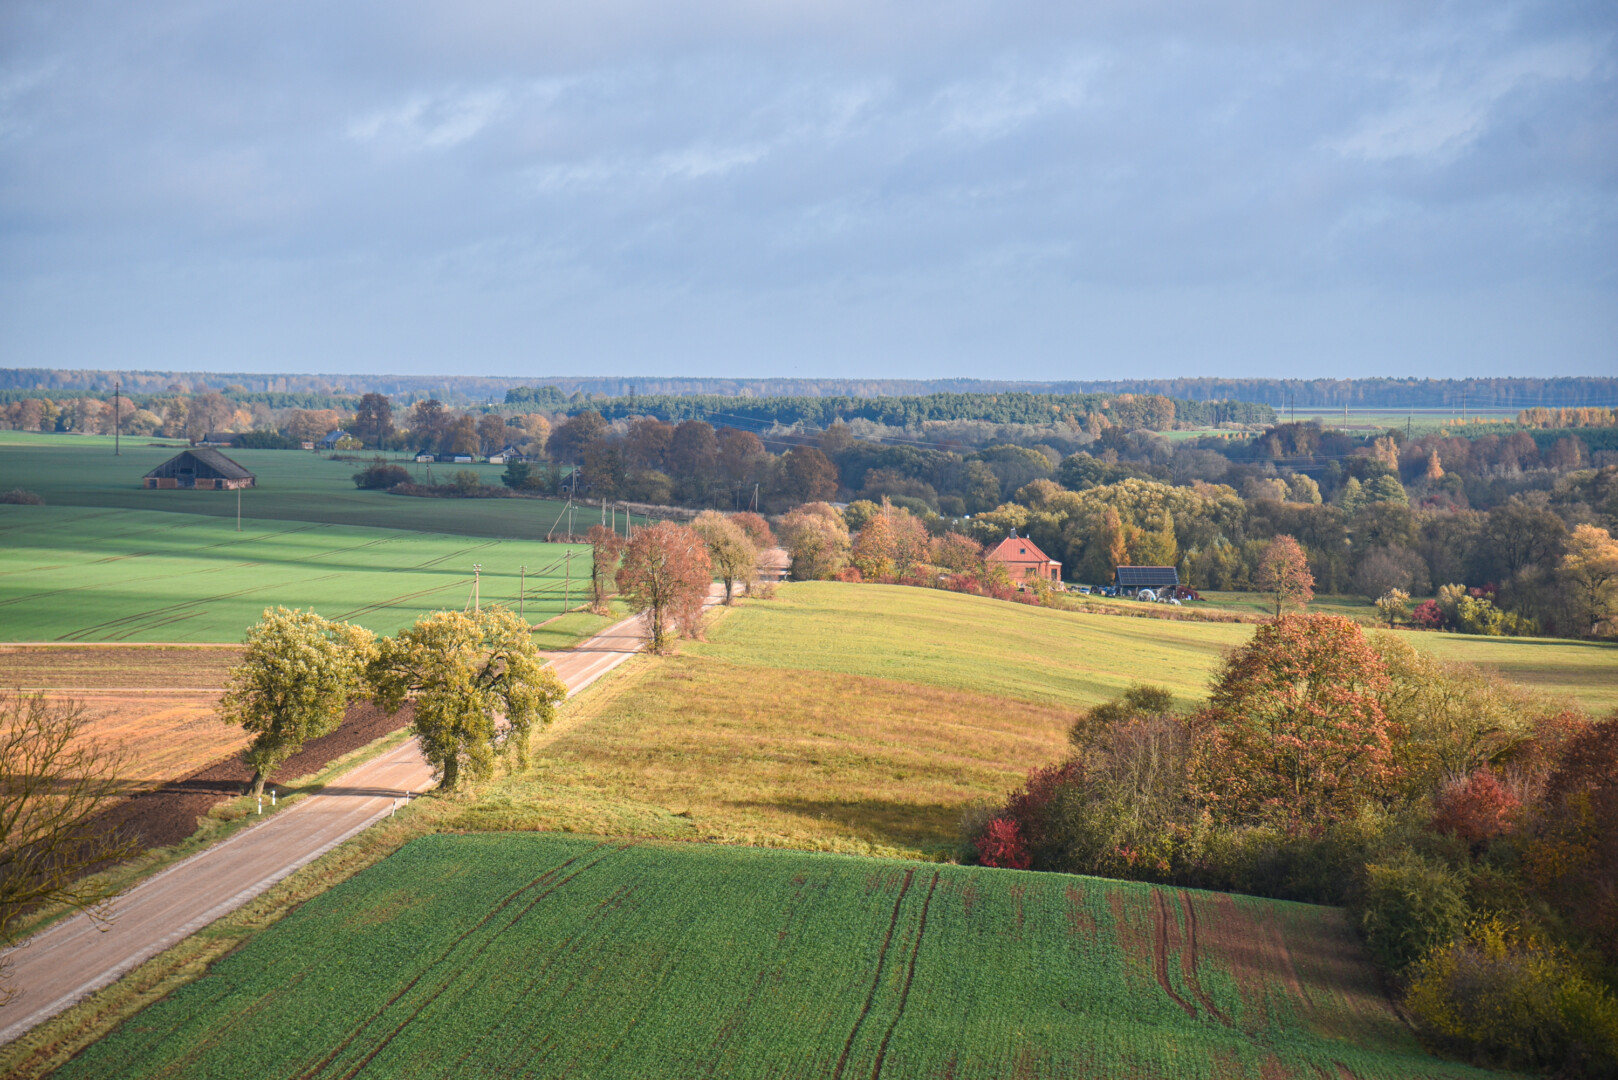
(794, 188)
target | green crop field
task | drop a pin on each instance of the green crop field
(525, 955)
(293, 485)
(76, 574)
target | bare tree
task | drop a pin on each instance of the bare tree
(53, 781)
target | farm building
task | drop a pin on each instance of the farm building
(1024, 561)
(200, 467)
(1132, 579)
(336, 440)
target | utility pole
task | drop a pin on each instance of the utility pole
(1408, 420)
(238, 509)
(477, 574)
(117, 422)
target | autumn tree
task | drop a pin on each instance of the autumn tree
(373, 419)
(807, 475)
(816, 539)
(1294, 735)
(1283, 572)
(756, 528)
(466, 673)
(606, 547)
(56, 780)
(1394, 605)
(492, 433)
(892, 542)
(297, 676)
(665, 576)
(730, 552)
(1590, 568)
(1573, 859)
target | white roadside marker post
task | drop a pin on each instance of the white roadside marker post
(272, 796)
(261, 804)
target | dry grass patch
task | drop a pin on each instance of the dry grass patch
(695, 748)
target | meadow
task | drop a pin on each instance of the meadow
(866, 719)
(106, 574)
(522, 955)
(293, 485)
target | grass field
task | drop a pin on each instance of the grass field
(865, 719)
(80, 574)
(1010, 650)
(70, 470)
(564, 956)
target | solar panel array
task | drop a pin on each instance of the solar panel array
(1147, 577)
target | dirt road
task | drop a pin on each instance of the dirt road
(73, 958)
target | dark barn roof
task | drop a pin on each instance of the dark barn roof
(201, 461)
(1147, 577)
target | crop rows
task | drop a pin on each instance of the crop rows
(80, 575)
(536, 955)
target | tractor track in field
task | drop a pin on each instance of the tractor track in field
(910, 976)
(1161, 916)
(1188, 961)
(481, 948)
(337, 1051)
(876, 980)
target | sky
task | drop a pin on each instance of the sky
(844, 188)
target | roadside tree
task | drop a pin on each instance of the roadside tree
(665, 575)
(816, 540)
(465, 673)
(1283, 572)
(296, 678)
(606, 547)
(56, 780)
(731, 553)
(756, 528)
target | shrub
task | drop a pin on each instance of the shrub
(1427, 616)
(20, 497)
(1409, 907)
(381, 476)
(1476, 809)
(1001, 845)
(1515, 1004)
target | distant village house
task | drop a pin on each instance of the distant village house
(200, 467)
(1024, 561)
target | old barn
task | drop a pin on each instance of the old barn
(200, 467)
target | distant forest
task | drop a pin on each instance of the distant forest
(1312, 394)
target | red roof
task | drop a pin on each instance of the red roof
(1020, 549)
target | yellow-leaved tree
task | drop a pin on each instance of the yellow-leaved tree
(466, 674)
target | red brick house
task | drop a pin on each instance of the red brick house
(1024, 561)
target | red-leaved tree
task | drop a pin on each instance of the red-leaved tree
(1293, 735)
(605, 548)
(665, 575)
(1476, 809)
(1283, 572)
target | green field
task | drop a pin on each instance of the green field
(293, 485)
(1072, 658)
(564, 956)
(75, 574)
